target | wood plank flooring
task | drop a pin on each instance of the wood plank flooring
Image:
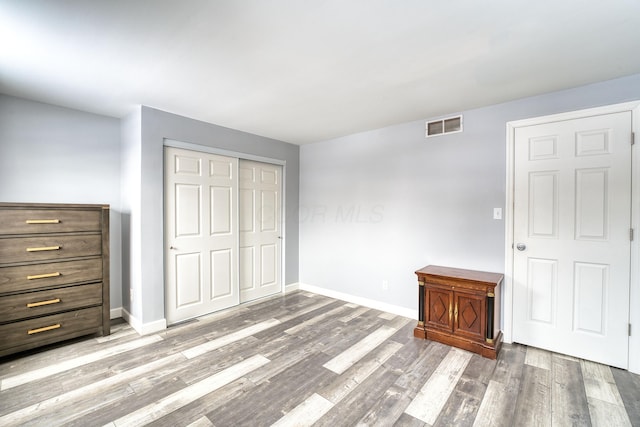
(302, 360)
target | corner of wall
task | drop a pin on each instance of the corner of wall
(144, 328)
(291, 287)
(130, 181)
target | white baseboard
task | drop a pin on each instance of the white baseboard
(115, 313)
(291, 287)
(144, 328)
(378, 305)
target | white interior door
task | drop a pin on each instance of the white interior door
(260, 229)
(201, 233)
(572, 207)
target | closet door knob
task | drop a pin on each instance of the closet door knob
(521, 246)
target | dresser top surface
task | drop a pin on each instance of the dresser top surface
(51, 205)
(461, 274)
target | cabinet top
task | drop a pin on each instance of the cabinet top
(460, 274)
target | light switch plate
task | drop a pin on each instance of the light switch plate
(497, 213)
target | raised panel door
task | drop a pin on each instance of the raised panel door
(469, 315)
(260, 229)
(572, 205)
(438, 309)
(201, 210)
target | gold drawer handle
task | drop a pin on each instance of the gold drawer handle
(46, 328)
(44, 276)
(38, 304)
(43, 221)
(46, 248)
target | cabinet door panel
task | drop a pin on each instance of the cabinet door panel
(469, 315)
(438, 309)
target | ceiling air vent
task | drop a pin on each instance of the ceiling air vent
(444, 126)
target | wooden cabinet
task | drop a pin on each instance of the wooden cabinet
(54, 273)
(460, 308)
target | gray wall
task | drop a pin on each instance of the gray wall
(51, 154)
(378, 205)
(156, 127)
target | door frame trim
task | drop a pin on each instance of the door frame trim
(634, 286)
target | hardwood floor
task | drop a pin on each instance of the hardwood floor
(304, 359)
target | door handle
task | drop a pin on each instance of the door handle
(521, 246)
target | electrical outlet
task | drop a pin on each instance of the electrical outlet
(385, 285)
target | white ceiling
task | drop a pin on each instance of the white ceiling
(305, 71)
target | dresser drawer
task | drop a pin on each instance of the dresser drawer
(31, 304)
(38, 276)
(31, 333)
(43, 248)
(34, 221)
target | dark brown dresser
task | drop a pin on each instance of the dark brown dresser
(460, 308)
(54, 273)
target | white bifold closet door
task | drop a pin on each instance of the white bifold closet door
(222, 232)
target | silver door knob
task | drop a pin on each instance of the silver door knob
(521, 246)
